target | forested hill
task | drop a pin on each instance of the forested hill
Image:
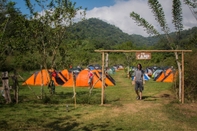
(107, 35)
(98, 30)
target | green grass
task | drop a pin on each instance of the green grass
(159, 110)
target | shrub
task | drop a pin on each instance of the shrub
(191, 76)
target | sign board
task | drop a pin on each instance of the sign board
(143, 56)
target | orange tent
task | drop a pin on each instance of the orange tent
(109, 81)
(38, 78)
(171, 77)
(166, 76)
(65, 73)
(70, 82)
(43, 77)
(82, 80)
(60, 79)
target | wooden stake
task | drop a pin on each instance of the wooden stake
(74, 91)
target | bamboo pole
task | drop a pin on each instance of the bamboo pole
(103, 82)
(182, 81)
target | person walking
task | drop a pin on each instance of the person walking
(138, 81)
(90, 78)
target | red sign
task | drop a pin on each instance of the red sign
(143, 56)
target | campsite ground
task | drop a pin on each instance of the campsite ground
(159, 109)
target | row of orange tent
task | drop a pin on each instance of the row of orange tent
(66, 79)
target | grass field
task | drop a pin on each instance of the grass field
(159, 109)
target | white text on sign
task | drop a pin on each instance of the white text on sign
(143, 56)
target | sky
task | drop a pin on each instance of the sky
(117, 12)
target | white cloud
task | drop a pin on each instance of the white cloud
(119, 15)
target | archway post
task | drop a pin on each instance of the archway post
(182, 81)
(103, 80)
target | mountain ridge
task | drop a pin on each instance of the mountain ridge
(96, 29)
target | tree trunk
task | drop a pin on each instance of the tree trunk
(179, 70)
(106, 60)
(5, 83)
(178, 65)
(15, 86)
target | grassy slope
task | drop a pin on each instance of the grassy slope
(121, 111)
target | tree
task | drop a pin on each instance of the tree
(51, 25)
(12, 34)
(160, 18)
(48, 28)
(193, 6)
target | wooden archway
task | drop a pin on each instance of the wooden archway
(145, 51)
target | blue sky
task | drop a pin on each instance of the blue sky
(89, 4)
(117, 12)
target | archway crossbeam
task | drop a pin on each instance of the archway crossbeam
(105, 51)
